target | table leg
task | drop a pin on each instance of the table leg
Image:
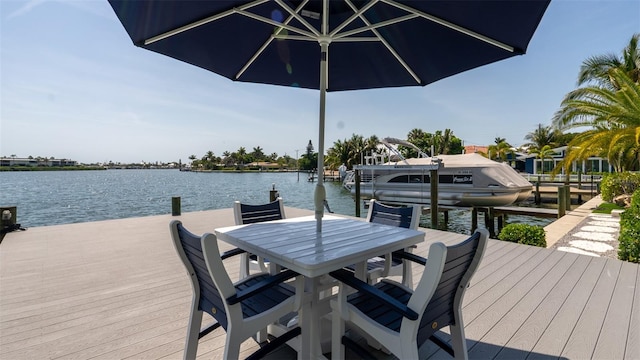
(361, 271)
(310, 322)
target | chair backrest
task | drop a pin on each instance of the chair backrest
(444, 306)
(248, 214)
(406, 217)
(206, 293)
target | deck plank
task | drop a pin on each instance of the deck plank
(116, 290)
(518, 307)
(582, 342)
(556, 335)
(632, 350)
(612, 339)
(525, 338)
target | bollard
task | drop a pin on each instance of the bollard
(273, 193)
(9, 216)
(175, 206)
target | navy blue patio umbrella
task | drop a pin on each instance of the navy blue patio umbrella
(333, 45)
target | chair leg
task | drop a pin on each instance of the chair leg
(244, 266)
(232, 347)
(337, 331)
(193, 332)
(458, 342)
(261, 336)
(407, 275)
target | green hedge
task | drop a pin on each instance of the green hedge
(629, 240)
(524, 234)
(615, 184)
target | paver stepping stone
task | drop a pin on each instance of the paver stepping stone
(594, 236)
(598, 247)
(615, 224)
(602, 229)
(577, 251)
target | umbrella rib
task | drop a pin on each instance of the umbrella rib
(389, 47)
(201, 22)
(274, 36)
(357, 13)
(378, 25)
(296, 15)
(275, 23)
(451, 25)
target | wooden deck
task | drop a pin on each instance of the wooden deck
(116, 290)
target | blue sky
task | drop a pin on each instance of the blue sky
(74, 86)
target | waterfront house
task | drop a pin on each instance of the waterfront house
(31, 161)
(534, 165)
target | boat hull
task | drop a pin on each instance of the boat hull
(446, 197)
(463, 180)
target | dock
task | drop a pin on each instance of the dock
(116, 290)
(329, 176)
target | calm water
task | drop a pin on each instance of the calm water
(62, 197)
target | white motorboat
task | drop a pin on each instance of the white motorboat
(463, 180)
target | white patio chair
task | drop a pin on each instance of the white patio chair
(402, 320)
(249, 214)
(387, 265)
(242, 309)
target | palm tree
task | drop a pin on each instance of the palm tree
(543, 135)
(339, 154)
(241, 154)
(542, 154)
(258, 153)
(597, 69)
(614, 119)
(500, 151)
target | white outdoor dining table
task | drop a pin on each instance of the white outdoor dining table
(295, 244)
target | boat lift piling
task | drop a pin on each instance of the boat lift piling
(433, 179)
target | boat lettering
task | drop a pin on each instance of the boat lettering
(462, 179)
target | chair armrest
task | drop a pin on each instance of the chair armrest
(262, 285)
(230, 253)
(347, 278)
(410, 256)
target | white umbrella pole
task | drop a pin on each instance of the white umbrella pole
(320, 193)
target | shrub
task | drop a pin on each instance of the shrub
(615, 184)
(629, 240)
(524, 234)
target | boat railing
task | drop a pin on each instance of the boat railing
(561, 178)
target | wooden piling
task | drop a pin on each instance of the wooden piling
(474, 219)
(562, 202)
(357, 180)
(175, 206)
(433, 179)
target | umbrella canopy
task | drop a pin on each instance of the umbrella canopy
(333, 45)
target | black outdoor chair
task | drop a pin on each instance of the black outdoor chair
(401, 319)
(249, 214)
(242, 309)
(386, 265)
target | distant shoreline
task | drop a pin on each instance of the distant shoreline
(50, 168)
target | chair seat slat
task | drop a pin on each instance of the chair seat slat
(377, 309)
